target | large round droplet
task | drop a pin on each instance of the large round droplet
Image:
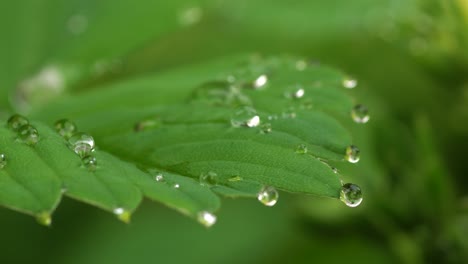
(360, 114)
(349, 83)
(90, 162)
(28, 134)
(208, 179)
(3, 161)
(82, 144)
(245, 116)
(268, 196)
(65, 128)
(353, 154)
(206, 218)
(351, 194)
(16, 121)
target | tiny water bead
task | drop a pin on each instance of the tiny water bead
(245, 116)
(360, 114)
(208, 179)
(122, 214)
(268, 196)
(206, 218)
(16, 121)
(159, 177)
(266, 128)
(90, 162)
(235, 179)
(65, 128)
(351, 194)
(28, 134)
(3, 161)
(146, 124)
(176, 185)
(301, 149)
(82, 144)
(295, 92)
(260, 82)
(353, 154)
(349, 83)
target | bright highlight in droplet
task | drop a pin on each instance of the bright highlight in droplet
(260, 81)
(206, 218)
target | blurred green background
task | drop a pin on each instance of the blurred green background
(409, 56)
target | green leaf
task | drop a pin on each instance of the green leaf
(178, 126)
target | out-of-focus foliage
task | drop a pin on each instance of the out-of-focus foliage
(411, 61)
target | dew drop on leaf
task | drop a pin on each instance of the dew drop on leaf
(122, 214)
(146, 124)
(235, 179)
(82, 144)
(266, 128)
(208, 179)
(351, 194)
(90, 162)
(3, 161)
(176, 185)
(245, 116)
(28, 134)
(301, 149)
(360, 114)
(349, 83)
(301, 65)
(159, 177)
(268, 196)
(206, 218)
(44, 218)
(295, 92)
(353, 154)
(260, 82)
(16, 121)
(65, 128)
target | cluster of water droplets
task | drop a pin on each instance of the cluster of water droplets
(81, 143)
(26, 132)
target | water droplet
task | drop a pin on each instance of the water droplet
(82, 144)
(28, 134)
(289, 113)
(90, 162)
(245, 116)
(352, 154)
(3, 160)
(159, 177)
(208, 179)
(77, 24)
(351, 194)
(190, 16)
(260, 82)
(349, 83)
(235, 179)
(206, 218)
(295, 92)
(177, 186)
(122, 214)
(360, 114)
(268, 196)
(44, 218)
(266, 128)
(301, 149)
(17, 121)
(65, 128)
(335, 170)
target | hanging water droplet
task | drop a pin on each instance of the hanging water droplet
(353, 154)
(65, 128)
(360, 114)
(3, 161)
(28, 134)
(82, 144)
(301, 149)
(351, 194)
(268, 196)
(266, 128)
(208, 179)
(295, 92)
(206, 218)
(245, 116)
(44, 218)
(349, 83)
(90, 162)
(16, 121)
(159, 177)
(122, 214)
(260, 82)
